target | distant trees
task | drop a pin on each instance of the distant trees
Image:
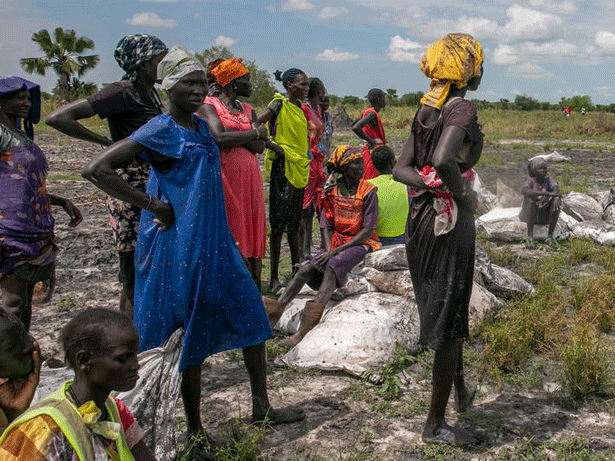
(576, 102)
(64, 55)
(262, 83)
(523, 102)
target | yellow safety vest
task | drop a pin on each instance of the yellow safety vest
(65, 415)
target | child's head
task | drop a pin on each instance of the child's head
(537, 168)
(101, 346)
(324, 104)
(383, 158)
(16, 347)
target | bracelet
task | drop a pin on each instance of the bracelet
(258, 135)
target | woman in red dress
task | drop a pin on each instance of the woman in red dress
(234, 127)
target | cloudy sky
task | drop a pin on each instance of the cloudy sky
(546, 49)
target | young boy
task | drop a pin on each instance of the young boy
(392, 198)
(541, 200)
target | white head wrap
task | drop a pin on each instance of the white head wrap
(176, 64)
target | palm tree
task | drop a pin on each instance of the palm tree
(62, 55)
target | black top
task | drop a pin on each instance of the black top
(126, 106)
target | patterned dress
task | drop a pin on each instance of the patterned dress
(26, 223)
(377, 134)
(243, 185)
(316, 131)
(192, 275)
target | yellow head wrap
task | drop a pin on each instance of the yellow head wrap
(342, 155)
(229, 70)
(454, 59)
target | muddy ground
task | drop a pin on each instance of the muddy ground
(347, 419)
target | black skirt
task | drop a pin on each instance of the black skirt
(442, 271)
(285, 200)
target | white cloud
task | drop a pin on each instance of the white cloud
(557, 48)
(605, 40)
(527, 24)
(226, 42)
(554, 6)
(151, 19)
(158, 1)
(478, 27)
(404, 50)
(335, 55)
(505, 55)
(531, 71)
(330, 12)
(297, 5)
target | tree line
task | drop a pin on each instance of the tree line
(64, 54)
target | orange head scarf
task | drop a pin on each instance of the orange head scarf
(455, 59)
(229, 70)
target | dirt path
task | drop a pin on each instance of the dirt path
(347, 419)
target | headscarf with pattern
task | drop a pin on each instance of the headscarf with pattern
(453, 60)
(229, 70)
(135, 49)
(342, 155)
(11, 85)
(176, 64)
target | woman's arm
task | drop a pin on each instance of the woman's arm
(404, 170)
(358, 126)
(225, 139)
(71, 210)
(445, 163)
(101, 172)
(65, 121)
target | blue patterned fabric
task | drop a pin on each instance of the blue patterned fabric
(192, 275)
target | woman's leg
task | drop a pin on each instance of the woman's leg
(275, 242)
(463, 397)
(255, 266)
(295, 252)
(307, 216)
(306, 273)
(191, 396)
(255, 359)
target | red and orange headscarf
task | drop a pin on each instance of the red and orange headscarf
(229, 70)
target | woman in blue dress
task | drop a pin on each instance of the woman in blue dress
(189, 273)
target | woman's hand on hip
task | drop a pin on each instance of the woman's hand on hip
(165, 216)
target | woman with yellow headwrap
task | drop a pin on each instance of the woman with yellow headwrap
(240, 137)
(349, 221)
(445, 143)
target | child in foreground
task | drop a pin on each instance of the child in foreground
(80, 421)
(542, 200)
(20, 366)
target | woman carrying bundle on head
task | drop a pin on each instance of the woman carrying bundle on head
(349, 220)
(445, 143)
(288, 162)
(189, 272)
(240, 137)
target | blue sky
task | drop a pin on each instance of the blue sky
(546, 49)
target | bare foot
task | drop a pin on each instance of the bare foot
(280, 416)
(464, 399)
(449, 435)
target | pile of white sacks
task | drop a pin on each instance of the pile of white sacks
(584, 216)
(375, 311)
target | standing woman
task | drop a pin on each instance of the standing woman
(189, 273)
(316, 131)
(127, 105)
(289, 166)
(233, 126)
(445, 143)
(27, 248)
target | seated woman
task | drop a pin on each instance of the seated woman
(80, 421)
(20, 367)
(542, 200)
(349, 220)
